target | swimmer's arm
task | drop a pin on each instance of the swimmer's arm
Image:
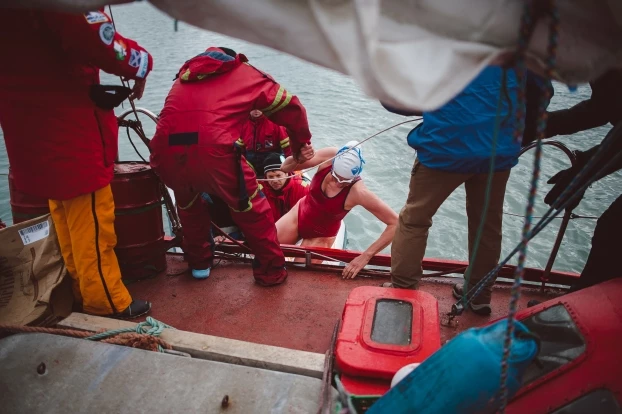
(321, 155)
(372, 203)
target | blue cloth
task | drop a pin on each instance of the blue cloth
(458, 136)
(463, 376)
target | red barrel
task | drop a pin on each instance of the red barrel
(25, 206)
(138, 220)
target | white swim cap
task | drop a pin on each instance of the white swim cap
(349, 163)
(403, 373)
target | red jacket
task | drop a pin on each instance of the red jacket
(263, 135)
(213, 97)
(60, 145)
(283, 200)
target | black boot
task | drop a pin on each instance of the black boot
(137, 308)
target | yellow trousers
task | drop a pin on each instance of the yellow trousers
(85, 228)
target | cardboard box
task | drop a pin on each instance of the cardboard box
(35, 288)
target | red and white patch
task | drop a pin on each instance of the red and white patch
(95, 17)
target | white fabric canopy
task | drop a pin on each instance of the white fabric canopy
(414, 54)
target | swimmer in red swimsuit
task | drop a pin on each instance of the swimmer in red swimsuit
(335, 189)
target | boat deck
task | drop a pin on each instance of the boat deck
(300, 314)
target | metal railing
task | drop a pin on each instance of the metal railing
(567, 214)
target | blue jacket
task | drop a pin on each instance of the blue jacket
(458, 136)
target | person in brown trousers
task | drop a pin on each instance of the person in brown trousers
(454, 145)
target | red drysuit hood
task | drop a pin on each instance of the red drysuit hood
(211, 62)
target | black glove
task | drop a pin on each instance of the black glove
(563, 178)
(108, 97)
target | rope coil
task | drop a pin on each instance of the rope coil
(145, 335)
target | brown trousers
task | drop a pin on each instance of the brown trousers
(429, 188)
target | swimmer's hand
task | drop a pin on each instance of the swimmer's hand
(354, 267)
(305, 154)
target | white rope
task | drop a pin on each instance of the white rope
(341, 153)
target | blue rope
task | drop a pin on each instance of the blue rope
(491, 172)
(150, 326)
(520, 268)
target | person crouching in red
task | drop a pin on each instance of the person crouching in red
(282, 190)
(261, 138)
(196, 149)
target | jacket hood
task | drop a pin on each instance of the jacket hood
(209, 63)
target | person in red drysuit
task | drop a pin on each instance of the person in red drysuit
(336, 188)
(283, 190)
(262, 137)
(195, 150)
(61, 136)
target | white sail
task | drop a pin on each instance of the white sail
(409, 53)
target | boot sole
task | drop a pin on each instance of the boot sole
(264, 284)
(483, 309)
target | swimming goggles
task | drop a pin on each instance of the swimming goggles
(339, 180)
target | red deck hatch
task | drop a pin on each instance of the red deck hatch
(384, 329)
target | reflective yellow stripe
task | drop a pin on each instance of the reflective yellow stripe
(281, 106)
(284, 141)
(240, 142)
(285, 145)
(185, 75)
(190, 204)
(252, 168)
(254, 194)
(276, 101)
(250, 203)
(246, 210)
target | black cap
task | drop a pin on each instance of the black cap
(228, 51)
(272, 163)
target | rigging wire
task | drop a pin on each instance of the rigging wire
(556, 209)
(127, 129)
(300, 173)
(572, 216)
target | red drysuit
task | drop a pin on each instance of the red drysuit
(195, 150)
(60, 144)
(283, 200)
(261, 137)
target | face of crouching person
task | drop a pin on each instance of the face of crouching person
(279, 177)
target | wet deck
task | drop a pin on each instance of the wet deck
(299, 314)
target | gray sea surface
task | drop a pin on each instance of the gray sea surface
(339, 112)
